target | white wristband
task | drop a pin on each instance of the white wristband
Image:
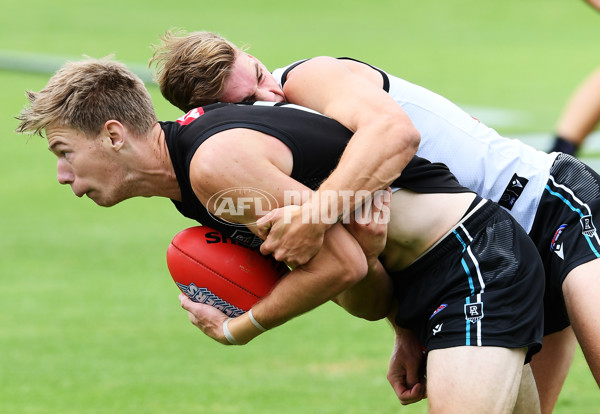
(255, 322)
(228, 334)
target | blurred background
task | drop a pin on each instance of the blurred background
(89, 316)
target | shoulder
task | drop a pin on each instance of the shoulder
(324, 66)
(240, 147)
(315, 65)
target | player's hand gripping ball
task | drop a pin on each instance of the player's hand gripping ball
(212, 269)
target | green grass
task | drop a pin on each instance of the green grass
(89, 317)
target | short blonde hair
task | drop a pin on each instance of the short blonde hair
(84, 95)
(191, 69)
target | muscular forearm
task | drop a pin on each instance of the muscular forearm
(338, 266)
(384, 137)
(373, 159)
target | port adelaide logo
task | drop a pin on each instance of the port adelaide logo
(587, 226)
(474, 312)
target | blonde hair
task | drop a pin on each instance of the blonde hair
(191, 69)
(84, 95)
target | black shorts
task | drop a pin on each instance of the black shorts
(565, 230)
(481, 285)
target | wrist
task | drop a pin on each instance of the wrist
(242, 329)
(228, 335)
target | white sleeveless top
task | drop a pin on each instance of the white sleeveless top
(497, 168)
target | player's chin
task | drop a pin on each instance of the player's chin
(103, 201)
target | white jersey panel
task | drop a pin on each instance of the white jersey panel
(477, 155)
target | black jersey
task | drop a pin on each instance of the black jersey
(316, 143)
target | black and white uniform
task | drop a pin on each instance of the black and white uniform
(486, 297)
(484, 270)
(553, 196)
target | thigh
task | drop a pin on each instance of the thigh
(581, 290)
(528, 401)
(474, 379)
(551, 366)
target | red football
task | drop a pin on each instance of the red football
(213, 269)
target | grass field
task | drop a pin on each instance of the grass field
(89, 317)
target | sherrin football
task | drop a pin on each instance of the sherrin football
(213, 269)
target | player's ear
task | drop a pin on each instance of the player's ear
(115, 132)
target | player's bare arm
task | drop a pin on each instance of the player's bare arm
(260, 161)
(406, 369)
(371, 298)
(594, 3)
(354, 97)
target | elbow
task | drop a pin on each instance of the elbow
(402, 136)
(399, 137)
(372, 304)
(372, 315)
(366, 295)
(357, 270)
(370, 298)
(413, 139)
(352, 271)
(406, 139)
(378, 310)
(362, 302)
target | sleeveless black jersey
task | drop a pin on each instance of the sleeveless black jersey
(316, 143)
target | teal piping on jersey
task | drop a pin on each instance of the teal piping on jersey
(576, 210)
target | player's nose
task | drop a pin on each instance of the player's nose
(64, 174)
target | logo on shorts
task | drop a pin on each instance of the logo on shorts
(437, 328)
(513, 191)
(474, 312)
(587, 226)
(554, 245)
(559, 251)
(438, 310)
